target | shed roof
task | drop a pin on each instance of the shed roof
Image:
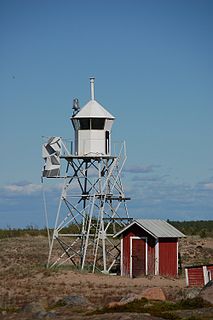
(93, 109)
(157, 228)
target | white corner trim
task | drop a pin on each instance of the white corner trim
(187, 277)
(177, 257)
(146, 271)
(122, 257)
(210, 274)
(130, 258)
(156, 257)
(205, 275)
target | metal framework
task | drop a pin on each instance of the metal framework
(91, 210)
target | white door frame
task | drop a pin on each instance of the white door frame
(122, 257)
(156, 257)
(146, 254)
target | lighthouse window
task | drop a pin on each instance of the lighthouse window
(84, 123)
(97, 123)
(94, 124)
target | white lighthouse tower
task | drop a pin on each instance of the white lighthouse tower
(92, 125)
(92, 206)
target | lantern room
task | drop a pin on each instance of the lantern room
(92, 125)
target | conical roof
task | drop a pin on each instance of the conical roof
(93, 109)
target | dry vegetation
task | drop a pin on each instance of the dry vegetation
(195, 250)
(25, 279)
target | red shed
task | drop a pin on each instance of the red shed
(149, 247)
(198, 275)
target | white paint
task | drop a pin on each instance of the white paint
(122, 257)
(146, 253)
(91, 142)
(146, 256)
(92, 88)
(52, 158)
(130, 267)
(92, 125)
(205, 275)
(93, 109)
(177, 257)
(156, 257)
(187, 277)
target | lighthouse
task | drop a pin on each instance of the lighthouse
(93, 204)
(92, 126)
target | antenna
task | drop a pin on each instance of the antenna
(92, 87)
(75, 106)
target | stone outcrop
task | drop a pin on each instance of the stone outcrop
(36, 310)
(154, 293)
(207, 292)
(75, 301)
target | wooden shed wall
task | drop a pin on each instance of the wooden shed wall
(126, 253)
(195, 276)
(136, 231)
(199, 275)
(210, 270)
(168, 256)
(151, 255)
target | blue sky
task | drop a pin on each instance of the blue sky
(153, 64)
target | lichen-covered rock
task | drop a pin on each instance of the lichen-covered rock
(154, 294)
(207, 292)
(75, 301)
(149, 294)
(191, 293)
(34, 307)
(45, 315)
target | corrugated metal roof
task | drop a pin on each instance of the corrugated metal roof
(160, 228)
(93, 109)
(157, 228)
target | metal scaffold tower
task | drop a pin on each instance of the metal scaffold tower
(92, 206)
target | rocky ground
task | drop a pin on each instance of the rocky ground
(30, 291)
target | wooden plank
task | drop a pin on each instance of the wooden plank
(168, 257)
(138, 257)
(195, 276)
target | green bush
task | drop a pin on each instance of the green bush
(202, 228)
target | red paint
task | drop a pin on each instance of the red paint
(138, 257)
(210, 272)
(151, 255)
(126, 254)
(135, 231)
(168, 257)
(195, 276)
(167, 253)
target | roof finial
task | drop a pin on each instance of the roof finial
(92, 87)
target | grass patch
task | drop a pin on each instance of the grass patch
(195, 303)
(163, 309)
(28, 231)
(10, 309)
(58, 304)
